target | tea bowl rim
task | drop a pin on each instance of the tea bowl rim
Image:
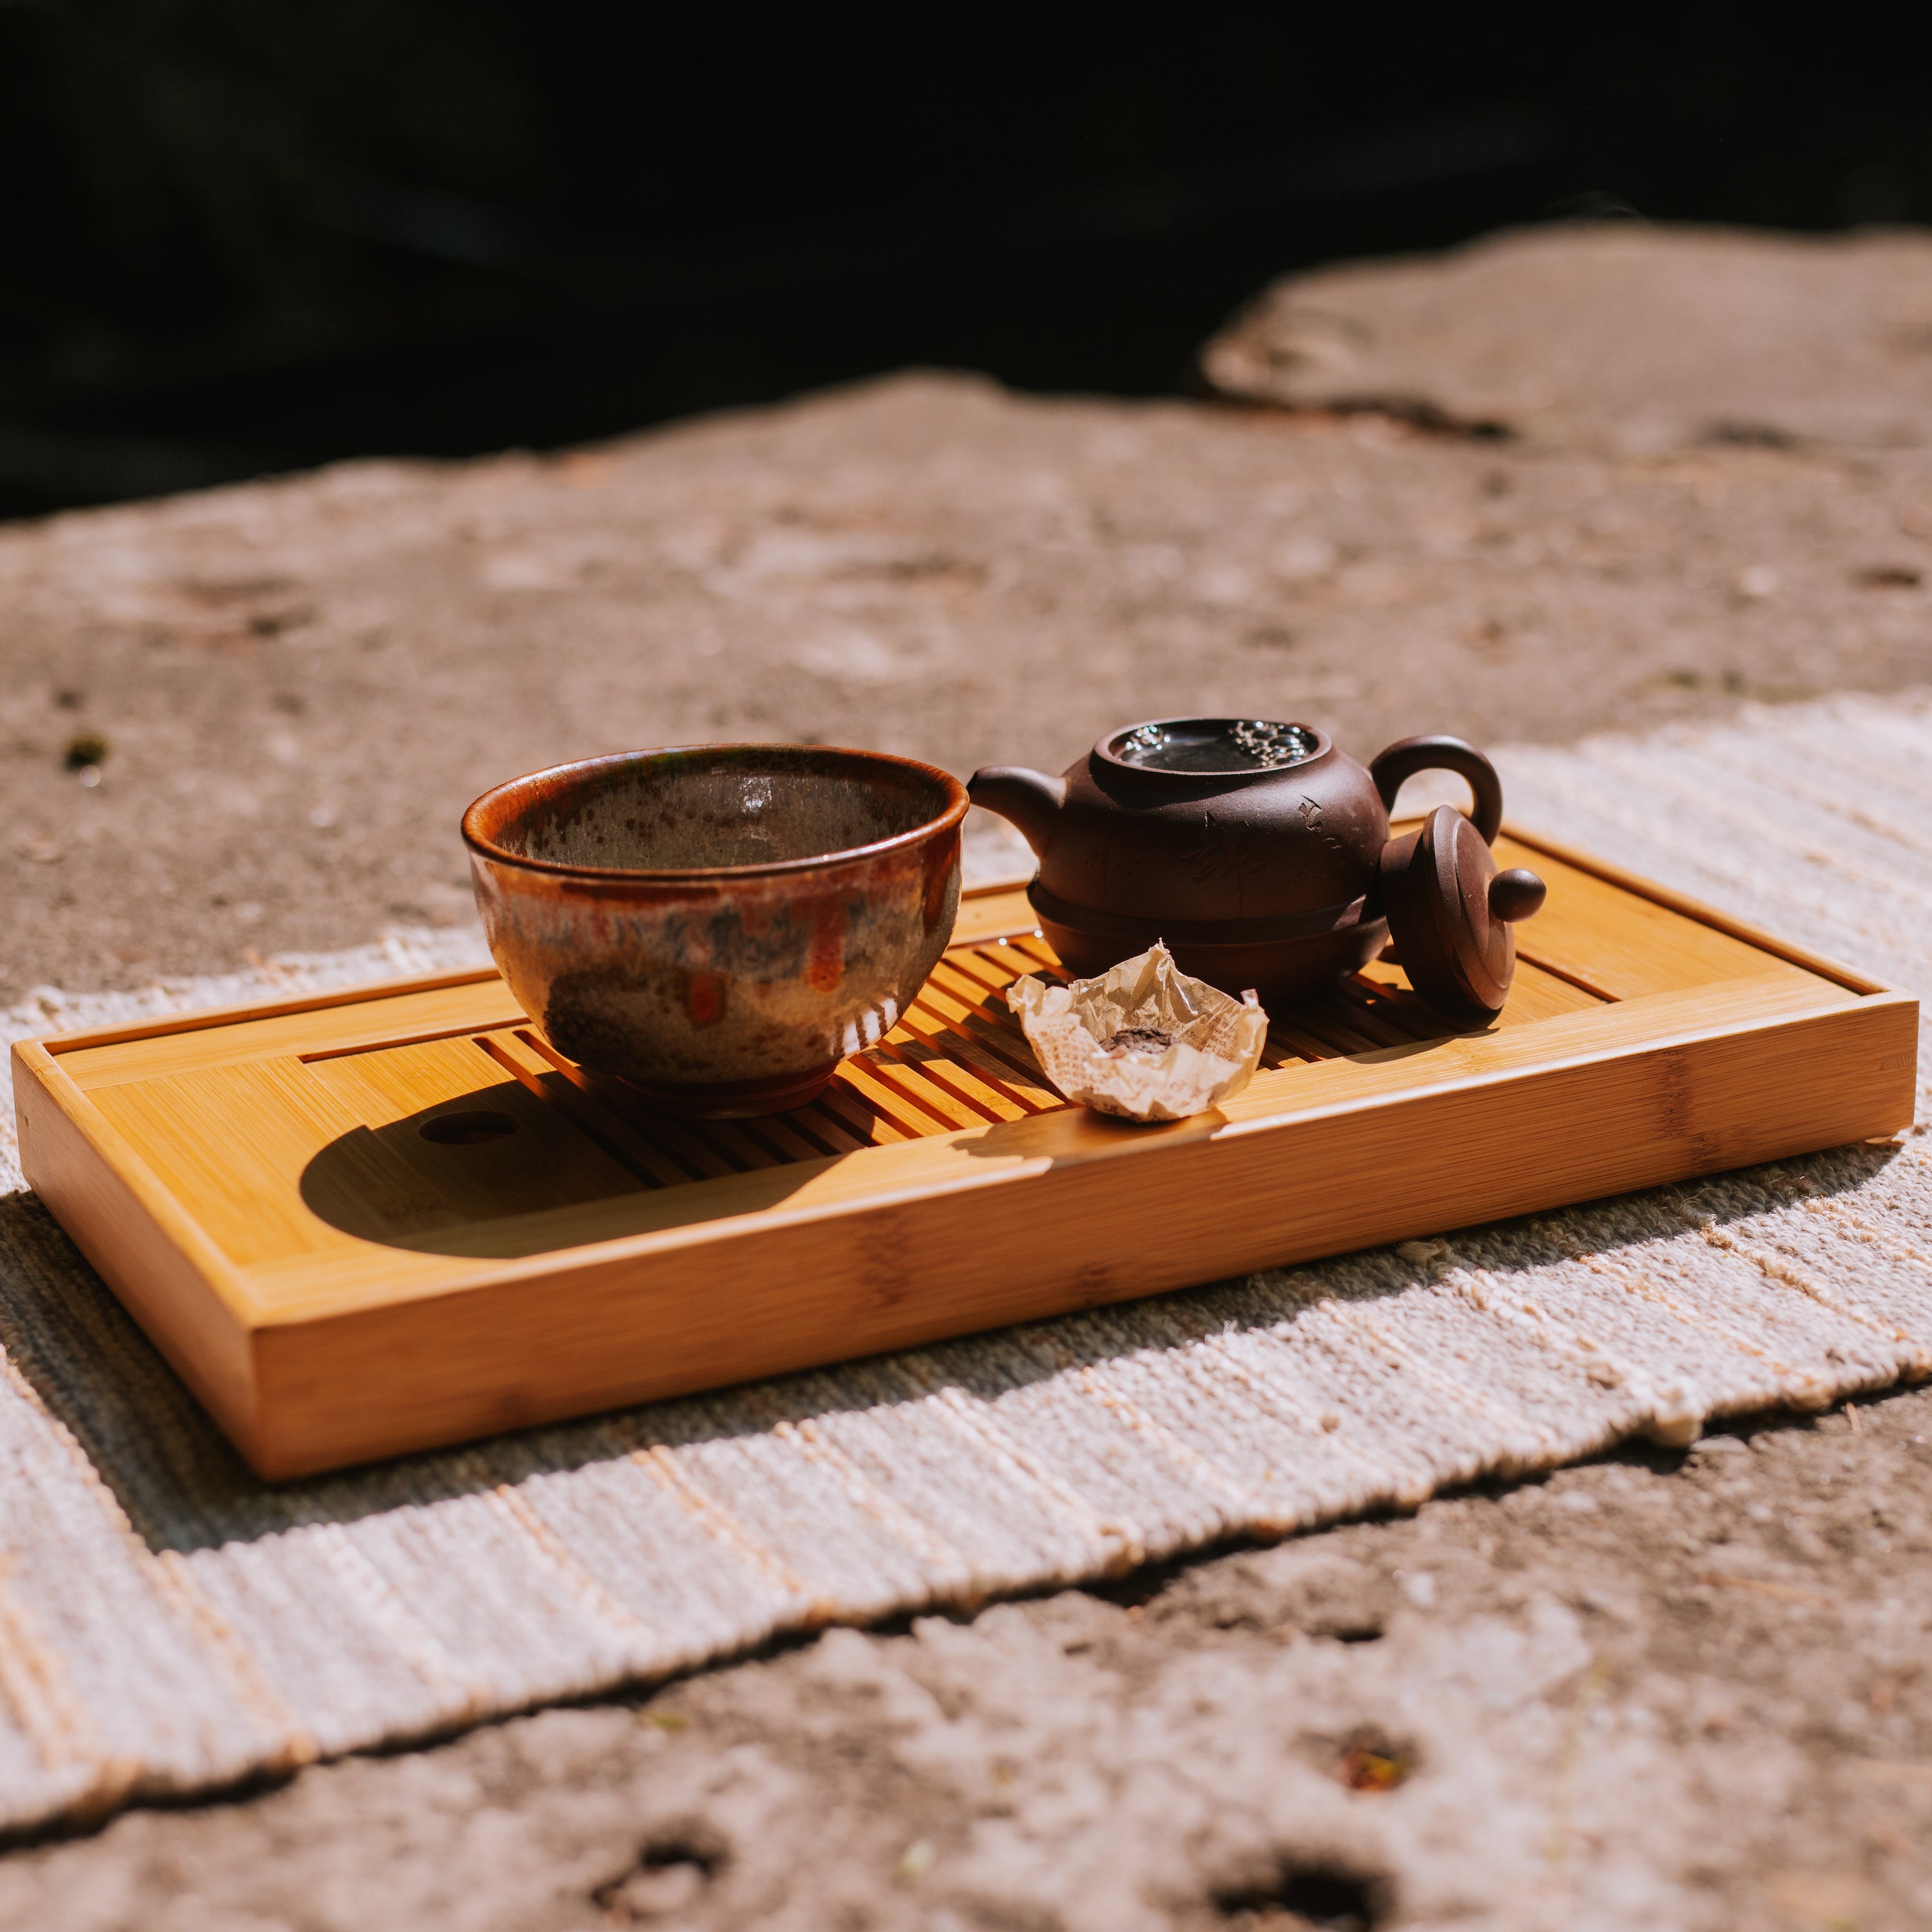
(577, 770)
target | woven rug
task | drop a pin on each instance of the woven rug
(168, 1624)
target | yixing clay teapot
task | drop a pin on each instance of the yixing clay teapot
(1261, 855)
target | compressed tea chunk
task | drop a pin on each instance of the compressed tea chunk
(1139, 1039)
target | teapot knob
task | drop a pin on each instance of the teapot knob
(1515, 894)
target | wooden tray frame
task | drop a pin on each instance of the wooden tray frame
(338, 1357)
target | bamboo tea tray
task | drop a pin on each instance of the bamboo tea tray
(376, 1221)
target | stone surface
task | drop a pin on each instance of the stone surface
(1684, 1691)
(1621, 338)
(1677, 1692)
(297, 686)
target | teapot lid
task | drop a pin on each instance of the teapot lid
(1450, 911)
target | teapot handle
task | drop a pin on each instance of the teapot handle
(1407, 756)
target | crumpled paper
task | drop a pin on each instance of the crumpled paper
(1143, 1040)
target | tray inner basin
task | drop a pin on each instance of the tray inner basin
(410, 1141)
(497, 1123)
(418, 1140)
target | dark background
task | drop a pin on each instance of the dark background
(243, 235)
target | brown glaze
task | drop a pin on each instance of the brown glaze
(1255, 874)
(717, 924)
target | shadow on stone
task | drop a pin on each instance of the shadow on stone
(1314, 1894)
(670, 1877)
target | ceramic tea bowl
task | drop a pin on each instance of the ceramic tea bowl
(717, 924)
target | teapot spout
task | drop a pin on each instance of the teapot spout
(1027, 799)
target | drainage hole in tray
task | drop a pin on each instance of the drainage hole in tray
(466, 1129)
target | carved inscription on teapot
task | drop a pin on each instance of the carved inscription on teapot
(1224, 848)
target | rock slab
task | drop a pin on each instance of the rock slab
(1622, 338)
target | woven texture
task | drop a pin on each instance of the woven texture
(168, 1624)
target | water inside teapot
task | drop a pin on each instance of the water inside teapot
(1216, 745)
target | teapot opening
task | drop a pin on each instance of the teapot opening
(1209, 747)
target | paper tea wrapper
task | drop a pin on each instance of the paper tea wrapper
(1143, 1040)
